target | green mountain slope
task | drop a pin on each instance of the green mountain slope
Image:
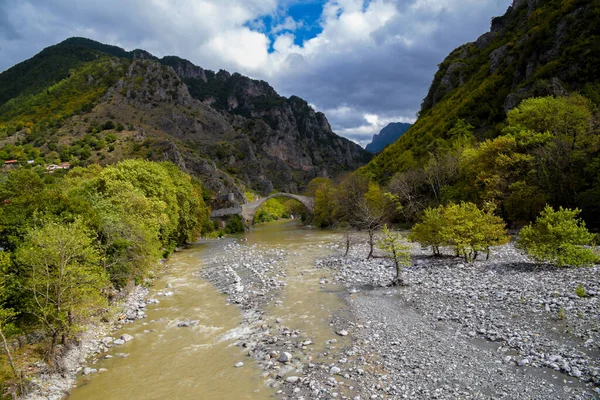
(538, 48)
(100, 104)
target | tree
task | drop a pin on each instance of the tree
(6, 314)
(408, 187)
(369, 213)
(560, 135)
(63, 277)
(471, 230)
(428, 232)
(326, 208)
(391, 243)
(558, 237)
(465, 227)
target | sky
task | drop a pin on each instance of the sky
(364, 63)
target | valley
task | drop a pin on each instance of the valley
(289, 290)
(173, 231)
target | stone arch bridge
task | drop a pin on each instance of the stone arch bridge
(247, 211)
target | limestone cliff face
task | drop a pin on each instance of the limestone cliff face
(242, 135)
(289, 140)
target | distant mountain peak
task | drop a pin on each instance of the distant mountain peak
(387, 136)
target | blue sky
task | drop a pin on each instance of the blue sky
(306, 15)
(364, 63)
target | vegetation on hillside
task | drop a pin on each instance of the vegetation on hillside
(69, 244)
(544, 49)
(548, 153)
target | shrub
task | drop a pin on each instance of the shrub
(234, 225)
(580, 291)
(558, 237)
(465, 227)
(429, 231)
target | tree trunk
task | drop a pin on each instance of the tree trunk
(371, 234)
(52, 347)
(8, 355)
(347, 245)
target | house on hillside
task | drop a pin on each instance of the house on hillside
(53, 167)
(10, 164)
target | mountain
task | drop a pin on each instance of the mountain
(387, 136)
(84, 102)
(538, 48)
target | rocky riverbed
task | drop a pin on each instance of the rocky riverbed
(502, 328)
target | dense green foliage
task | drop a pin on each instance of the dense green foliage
(70, 242)
(558, 237)
(271, 210)
(463, 227)
(548, 153)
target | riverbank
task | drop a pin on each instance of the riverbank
(55, 383)
(320, 325)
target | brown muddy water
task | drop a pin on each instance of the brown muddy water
(169, 362)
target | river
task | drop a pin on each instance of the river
(167, 361)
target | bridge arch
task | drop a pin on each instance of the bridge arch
(248, 210)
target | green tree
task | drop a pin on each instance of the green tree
(6, 317)
(464, 227)
(429, 232)
(63, 276)
(326, 206)
(391, 244)
(558, 237)
(369, 213)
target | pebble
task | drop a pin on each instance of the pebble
(285, 357)
(126, 337)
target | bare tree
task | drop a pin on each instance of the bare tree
(370, 218)
(409, 188)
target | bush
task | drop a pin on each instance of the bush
(558, 237)
(429, 231)
(235, 225)
(108, 125)
(465, 227)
